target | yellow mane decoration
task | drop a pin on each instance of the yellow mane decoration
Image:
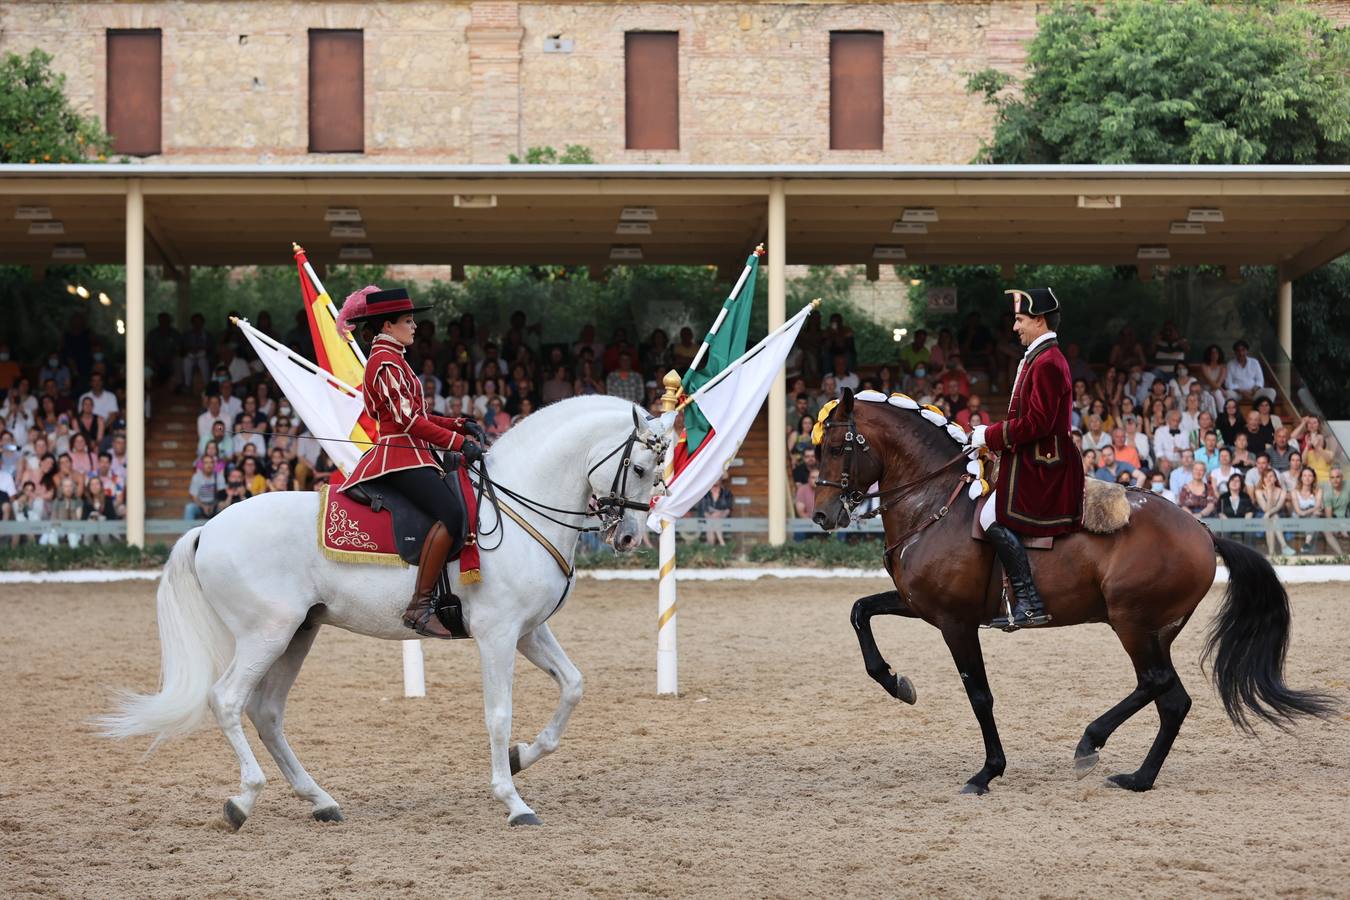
(818, 431)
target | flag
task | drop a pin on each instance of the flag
(335, 353)
(325, 403)
(725, 342)
(730, 403)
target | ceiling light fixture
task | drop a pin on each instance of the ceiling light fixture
(888, 251)
(638, 214)
(903, 227)
(1210, 215)
(342, 214)
(1187, 228)
(1099, 201)
(1154, 251)
(919, 214)
(625, 252)
(356, 253)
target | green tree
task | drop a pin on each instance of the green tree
(572, 155)
(1155, 81)
(37, 122)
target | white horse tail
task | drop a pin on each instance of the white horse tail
(195, 648)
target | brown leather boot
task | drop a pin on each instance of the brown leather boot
(420, 615)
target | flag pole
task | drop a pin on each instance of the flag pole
(332, 310)
(722, 314)
(667, 662)
(740, 361)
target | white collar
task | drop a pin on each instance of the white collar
(392, 342)
(1048, 336)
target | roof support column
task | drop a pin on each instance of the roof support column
(135, 328)
(778, 392)
(1285, 319)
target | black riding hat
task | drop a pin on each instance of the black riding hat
(1034, 301)
(383, 304)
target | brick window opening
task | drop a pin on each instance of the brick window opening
(856, 90)
(135, 69)
(652, 90)
(337, 109)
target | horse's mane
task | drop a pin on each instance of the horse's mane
(936, 437)
(540, 427)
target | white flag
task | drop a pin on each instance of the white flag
(328, 406)
(730, 402)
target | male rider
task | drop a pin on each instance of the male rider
(1040, 479)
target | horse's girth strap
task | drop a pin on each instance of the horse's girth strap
(544, 542)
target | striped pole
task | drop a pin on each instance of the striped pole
(667, 661)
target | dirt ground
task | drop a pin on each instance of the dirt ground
(781, 771)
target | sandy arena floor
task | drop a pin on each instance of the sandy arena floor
(781, 771)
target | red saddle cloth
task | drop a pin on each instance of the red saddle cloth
(353, 532)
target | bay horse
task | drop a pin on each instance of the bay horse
(1144, 580)
(242, 597)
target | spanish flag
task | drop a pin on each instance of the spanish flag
(335, 353)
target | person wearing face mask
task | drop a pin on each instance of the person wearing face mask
(57, 371)
(1158, 485)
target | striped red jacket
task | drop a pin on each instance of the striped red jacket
(408, 433)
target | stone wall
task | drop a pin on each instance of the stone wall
(470, 82)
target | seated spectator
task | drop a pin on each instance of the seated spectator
(974, 406)
(57, 371)
(495, 420)
(715, 505)
(1271, 500)
(1169, 349)
(236, 491)
(230, 404)
(1307, 426)
(1244, 379)
(1317, 457)
(1230, 423)
(684, 352)
(67, 506)
(622, 381)
(1138, 440)
(1336, 498)
(587, 382)
(527, 407)
(830, 390)
(28, 507)
(916, 384)
(1265, 410)
(1289, 477)
(1170, 441)
(280, 480)
(1110, 389)
(1181, 473)
(1158, 484)
(1090, 463)
(587, 342)
(433, 401)
(323, 470)
(1306, 502)
(954, 368)
(1127, 351)
(1235, 504)
(1095, 437)
(1197, 495)
(1259, 437)
(1243, 459)
(254, 480)
(1109, 468)
(1125, 451)
(953, 399)
(844, 377)
(105, 402)
(88, 423)
(209, 418)
(806, 462)
(916, 353)
(799, 438)
(65, 469)
(804, 499)
(557, 387)
(1209, 451)
(1190, 416)
(99, 507)
(1255, 475)
(1225, 470)
(264, 405)
(46, 479)
(1280, 450)
(218, 436)
(8, 491)
(1211, 373)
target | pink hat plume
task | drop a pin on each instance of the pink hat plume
(354, 307)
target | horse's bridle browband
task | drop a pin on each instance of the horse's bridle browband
(852, 498)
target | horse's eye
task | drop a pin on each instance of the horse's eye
(837, 451)
(639, 471)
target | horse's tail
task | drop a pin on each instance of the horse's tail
(1248, 641)
(195, 647)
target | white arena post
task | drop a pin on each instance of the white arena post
(667, 660)
(414, 678)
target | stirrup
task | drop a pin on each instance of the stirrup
(1019, 620)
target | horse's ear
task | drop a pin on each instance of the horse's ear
(637, 420)
(846, 401)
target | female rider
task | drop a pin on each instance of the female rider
(403, 459)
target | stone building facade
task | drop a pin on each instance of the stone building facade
(471, 82)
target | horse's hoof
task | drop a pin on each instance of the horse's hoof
(904, 690)
(328, 814)
(525, 819)
(234, 816)
(1084, 764)
(979, 790)
(1129, 781)
(514, 756)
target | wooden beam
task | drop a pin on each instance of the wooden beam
(1321, 253)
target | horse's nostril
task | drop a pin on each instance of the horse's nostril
(819, 519)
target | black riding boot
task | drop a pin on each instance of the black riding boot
(1029, 610)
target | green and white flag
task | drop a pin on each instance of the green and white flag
(724, 344)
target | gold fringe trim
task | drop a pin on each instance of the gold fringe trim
(473, 576)
(350, 556)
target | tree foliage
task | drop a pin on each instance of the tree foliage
(37, 122)
(572, 155)
(1156, 81)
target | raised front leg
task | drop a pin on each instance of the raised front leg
(542, 648)
(888, 604)
(963, 640)
(498, 659)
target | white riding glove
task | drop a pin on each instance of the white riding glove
(977, 437)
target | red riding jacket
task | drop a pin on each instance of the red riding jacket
(1040, 475)
(408, 433)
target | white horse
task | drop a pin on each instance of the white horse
(241, 597)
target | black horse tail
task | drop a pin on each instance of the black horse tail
(1248, 641)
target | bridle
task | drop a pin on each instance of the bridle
(851, 497)
(608, 510)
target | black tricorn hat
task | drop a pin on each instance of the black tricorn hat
(393, 302)
(1034, 301)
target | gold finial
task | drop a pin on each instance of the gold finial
(815, 304)
(759, 250)
(671, 382)
(234, 320)
(296, 248)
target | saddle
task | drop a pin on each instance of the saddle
(365, 524)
